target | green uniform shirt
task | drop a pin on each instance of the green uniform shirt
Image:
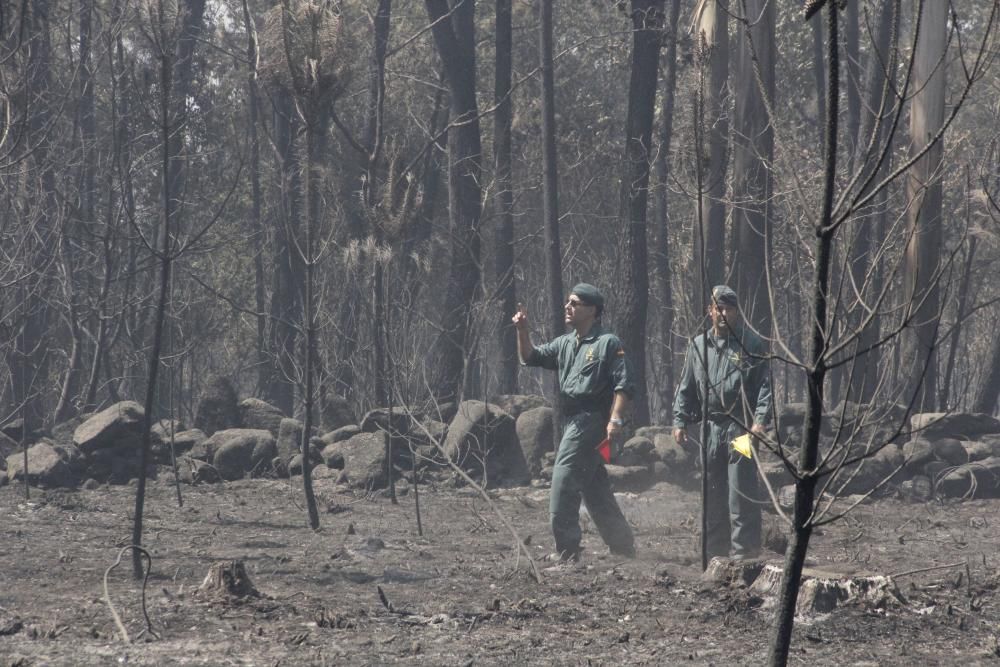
(736, 376)
(591, 369)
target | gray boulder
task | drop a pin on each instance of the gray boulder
(966, 425)
(258, 414)
(49, 464)
(217, 410)
(636, 451)
(976, 480)
(482, 439)
(534, 430)
(397, 422)
(517, 404)
(918, 453)
(977, 450)
(7, 446)
(341, 434)
(122, 422)
(950, 451)
(236, 452)
(363, 459)
(337, 412)
(183, 442)
(629, 478)
(193, 471)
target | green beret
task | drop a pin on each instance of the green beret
(589, 294)
(724, 296)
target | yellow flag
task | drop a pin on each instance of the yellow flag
(743, 446)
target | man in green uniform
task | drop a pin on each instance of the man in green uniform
(739, 397)
(594, 395)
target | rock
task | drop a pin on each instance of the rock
(534, 430)
(652, 432)
(863, 476)
(279, 467)
(12, 429)
(194, 471)
(336, 413)
(163, 428)
(289, 438)
(397, 423)
(109, 427)
(341, 434)
(517, 404)
(629, 478)
(433, 430)
(240, 451)
(183, 442)
(970, 481)
(969, 425)
(323, 472)
(49, 465)
(7, 446)
(918, 453)
(950, 451)
(217, 410)
(257, 414)
(295, 465)
(91, 484)
(333, 457)
(636, 451)
(62, 433)
(482, 438)
(677, 459)
(976, 450)
(364, 459)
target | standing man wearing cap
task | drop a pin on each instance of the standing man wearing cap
(594, 396)
(739, 397)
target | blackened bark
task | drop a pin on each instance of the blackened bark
(661, 253)
(647, 26)
(805, 485)
(504, 240)
(753, 153)
(455, 41)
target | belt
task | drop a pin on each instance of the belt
(720, 417)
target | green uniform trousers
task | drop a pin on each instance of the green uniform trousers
(732, 507)
(579, 473)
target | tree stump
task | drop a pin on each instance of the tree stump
(823, 589)
(228, 578)
(728, 572)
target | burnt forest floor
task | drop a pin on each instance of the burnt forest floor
(367, 589)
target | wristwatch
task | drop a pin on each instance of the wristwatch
(617, 422)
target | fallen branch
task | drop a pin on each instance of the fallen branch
(927, 569)
(107, 595)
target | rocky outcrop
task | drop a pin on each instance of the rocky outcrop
(217, 410)
(258, 414)
(49, 464)
(534, 430)
(112, 427)
(483, 440)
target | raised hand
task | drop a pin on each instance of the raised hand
(520, 318)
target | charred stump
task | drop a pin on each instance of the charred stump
(228, 578)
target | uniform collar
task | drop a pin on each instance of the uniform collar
(595, 331)
(733, 334)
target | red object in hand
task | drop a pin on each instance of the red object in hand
(604, 449)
